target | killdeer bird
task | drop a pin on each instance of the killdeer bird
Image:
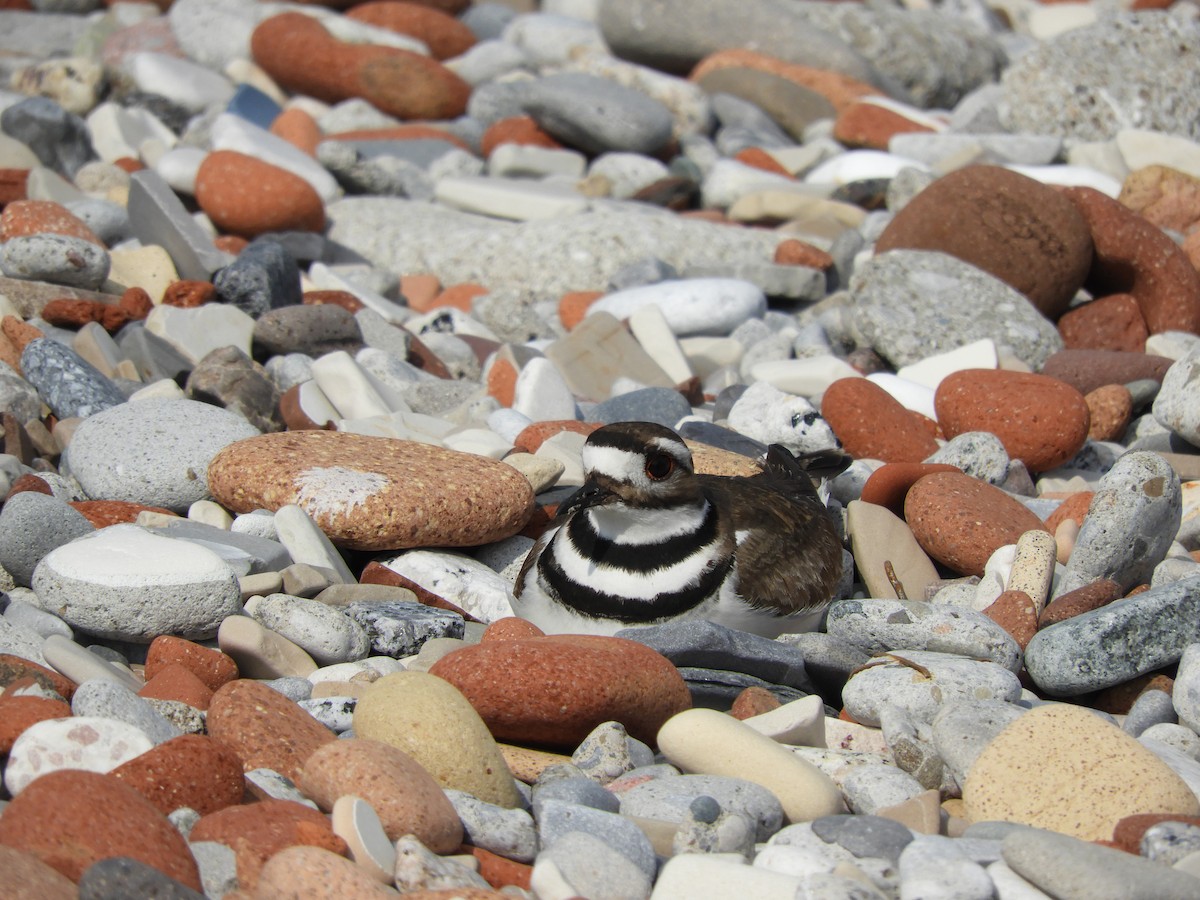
(646, 541)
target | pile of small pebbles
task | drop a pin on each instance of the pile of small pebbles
(306, 310)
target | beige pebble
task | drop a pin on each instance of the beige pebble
(542, 473)
(356, 822)
(922, 813)
(260, 652)
(429, 719)
(1064, 538)
(800, 722)
(707, 742)
(1033, 568)
(1063, 768)
(316, 874)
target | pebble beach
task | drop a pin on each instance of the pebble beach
(307, 310)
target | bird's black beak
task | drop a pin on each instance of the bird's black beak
(591, 494)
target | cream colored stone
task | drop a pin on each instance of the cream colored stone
(1063, 768)
(355, 821)
(149, 268)
(542, 473)
(801, 722)
(261, 653)
(877, 535)
(708, 742)
(1033, 568)
(432, 722)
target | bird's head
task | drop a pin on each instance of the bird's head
(638, 464)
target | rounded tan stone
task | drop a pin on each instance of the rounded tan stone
(402, 793)
(316, 874)
(431, 721)
(1063, 768)
(372, 493)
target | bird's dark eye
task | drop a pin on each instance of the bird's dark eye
(659, 466)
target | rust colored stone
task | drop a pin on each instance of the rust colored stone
(1111, 408)
(70, 313)
(15, 670)
(409, 131)
(759, 158)
(191, 770)
(70, 819)
(264, 728)
(233, 244)
(1040, 420)
(1015, 613)
(1019, 230)
(1119, 698)
(1073, 603)
(889, 484)
(516, 130)
(459, 296)
(344, 299)
(1135, 256)
(793, 252)
(444, 35)
(560, 687)
(573, 306)
(1127, 835)
(531, 437)
(871, 423)
(175, 682)
(19, 333)
(12, 185)
(29, 482)
(128, 164)
(258, 831)
(214, 668)
(425, 359)
(753, 701)
(420, 290)
(299, 129)
(136, 303)
(248, 197)
(840, 90)
(18, 713)
(26, 217)
(103, 513)
(303, 57)
(961, 521)
(1074, 507)
(189, 294)
(502, 381)
(1086, 370)
(1110, 323)
(511, 628)
(869, 125)
(500, 872)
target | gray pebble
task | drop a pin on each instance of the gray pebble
(666, 406)
(29, 616)
(109, 221)
(586, 865)
(1117, 642)
(872, 787)
(506, 832)
(608, 752)
(21, 640)
(326, 633)
(311, 329)
(1131, 522)
(1177, 737)
(18, 396)
(878, 625)
(119, 877)
(56, 258)
(595, 114)
(911, 748)
(293, 687)
(979, 454)
(577, 790)
(31, 525)
(58, 138)
(670, 798)
(1169, 842)
(335, 713)
(218, 867)
(1151, 708)
(100, 697)
(936, 868)
(263, 277)
(864, 835)
(556, 819)
(70, 385)
(183, 716)
(723, 833)
(277, 786)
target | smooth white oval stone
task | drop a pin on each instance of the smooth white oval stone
(859, 165)
(712, 306)
(806, 377)
(1071, 176)
(909, 394)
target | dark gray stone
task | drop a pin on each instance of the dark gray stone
(157, 216)
(665, 406)
(314, 330)
(718, 688)
(58, 138)
(263, 277)
(670, 799)
(69, 384)
(228, 378)
(1115, 643)
(31, 525)
(864, 836)
(579, 790)
(119, 878)
(597, 115)
(828, 659)
(399, 628)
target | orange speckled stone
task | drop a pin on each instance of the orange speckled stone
(214, 668)
(1110, 323)
(531, 437)
(1073, 603)
(258, 831)
(176, 682)
(444, 35)
(189, 294)
(1074, 507)
(761, 159)
(1040, 420)
(1127, 833)
(888, 485)
(28, 878)
(344, 299)
(1135, 256)
(500, 872)
(19, 333)
(314, 873)
(248, 197)
(25, 217)
(299, 129)
(264, 728)
(12, 184)
(961, 521)
(869, 125)
(558, 688)
(753, 701)
(191, 770)
(419, 495)
(304, 58)
(29, 482)
(70, 819)
(18, 713)
(16, 670)
(871, 423)
(460, 296)
(1110, 408)
(801, 253)
(103, 513)
(516, 130)
(501, 381)
(1014, 612)
(136, 303)
(573, 306)
(840, 90)
(511, 628)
